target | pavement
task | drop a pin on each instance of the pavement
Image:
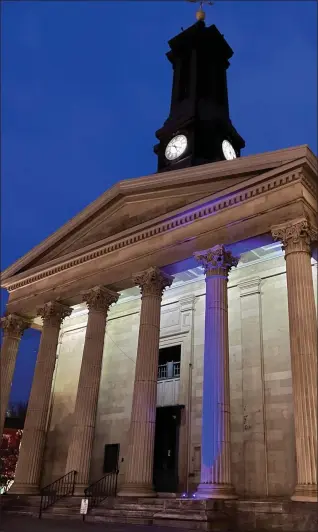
(32, 524)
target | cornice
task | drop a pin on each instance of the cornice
(275, 179)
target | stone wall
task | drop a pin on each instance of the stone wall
(263, 453)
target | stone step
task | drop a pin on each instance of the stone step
(69, 502)
(193, 525)
(26, 500)
(127, 507)
(124, 513)
(120, 520)
(62, 510)
(31, 512)
(63, 516)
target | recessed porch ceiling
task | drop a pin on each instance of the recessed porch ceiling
(259, 254)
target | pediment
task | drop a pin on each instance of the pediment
(134, 202)
(131, 210)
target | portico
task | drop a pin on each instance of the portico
(147, 232)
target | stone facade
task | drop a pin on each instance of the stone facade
(254, 382)
(262, 429)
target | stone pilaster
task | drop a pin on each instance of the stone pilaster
(296, 238)
(187, 306)
(139, 472)
(216, 444)
(255, 479)
(13, 328)
(28, 473)
(98, 300)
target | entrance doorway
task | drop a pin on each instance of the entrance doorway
(165, 473)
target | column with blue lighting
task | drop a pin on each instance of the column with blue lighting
(216, 442)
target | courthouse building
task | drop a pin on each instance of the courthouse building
(178, 315)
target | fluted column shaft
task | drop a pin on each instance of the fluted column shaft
(296, 238)
(216, 424)
(98, 300)
(28, 473)
(13, 328)
(139, 472)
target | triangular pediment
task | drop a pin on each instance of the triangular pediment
(131, 209)
(134, 202)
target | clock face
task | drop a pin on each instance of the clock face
(176, 147)
(228, 150)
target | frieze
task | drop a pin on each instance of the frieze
(183, 219)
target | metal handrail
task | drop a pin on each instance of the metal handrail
(62, 487)
(101, 489)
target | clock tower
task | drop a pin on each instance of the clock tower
(198, 129)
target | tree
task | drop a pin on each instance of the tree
(10, 443)
(9, 456)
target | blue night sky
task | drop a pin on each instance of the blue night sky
(86, 84)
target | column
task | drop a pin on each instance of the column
(13, 328)
(98, 300)
(29, 467)
(139, 472)
(296, 238)
(216, 445)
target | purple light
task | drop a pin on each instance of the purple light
(184, 495)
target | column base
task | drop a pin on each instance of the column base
(79, 490)
(305, 493)
(215, 491)
(24, 489)
(136, 490)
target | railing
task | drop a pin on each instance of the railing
(62, 487)
(171, 370)
(100, 490)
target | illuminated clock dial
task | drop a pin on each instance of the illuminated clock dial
(176, 147)
(228, 150)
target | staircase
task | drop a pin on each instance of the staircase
(186, 514)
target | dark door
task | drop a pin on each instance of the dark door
(166, 449)
(111, 455)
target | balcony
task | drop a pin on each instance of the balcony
(168, 384)
(171, 370)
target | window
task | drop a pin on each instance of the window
(111, 457)
(169, 363)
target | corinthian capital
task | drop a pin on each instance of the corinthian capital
(216, 260)
(152, 281)
(295, 236)
(53, 313)
(99, 299)
(14, 325)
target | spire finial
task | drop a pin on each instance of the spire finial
(200, 14)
